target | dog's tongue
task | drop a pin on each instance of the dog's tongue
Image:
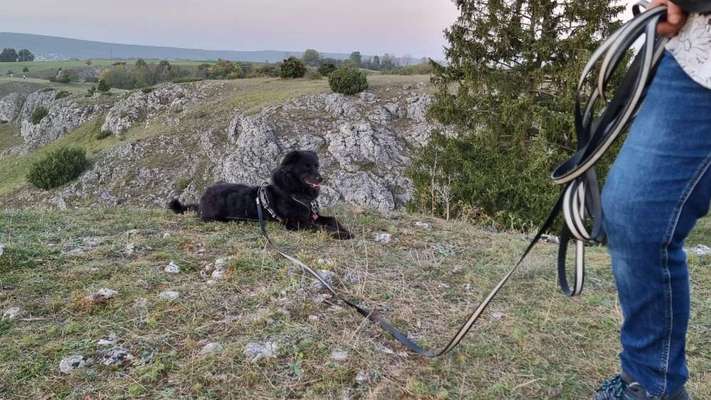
(313, 184)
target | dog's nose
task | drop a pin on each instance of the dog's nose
(319, 178)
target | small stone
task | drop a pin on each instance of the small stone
(107, 341)
(381, 348)
(130, 249)
(550, 239)
(169, 295)
(69, 364)
(2, 249)
(362, 377)
(498, 316)
(702, 250)
(172, 268)
(116, 356)
(257, 351)
(326, 276)
(101, 296)
(383, 237)
(423, 225)
(11, 313)
(313, 318)
(212, 348)
(337, 355)
(166, 235)
(218, 274)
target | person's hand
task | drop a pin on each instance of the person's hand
(676, 18)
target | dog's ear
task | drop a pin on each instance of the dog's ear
(291, 158)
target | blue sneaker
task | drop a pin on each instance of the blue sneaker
(621, 387)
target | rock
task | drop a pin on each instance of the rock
(383, 237)
(212, 348)
(363, 377)
(382, 349)
(101, 296)
(130, 249)
(116, 356)
(313, 318)
(702, 250)
(497, 315)
(11, 313)
(63, 116)
(10, 106)
(357, 145)
(337, 355)
(423, 225)
(363, 189)
(2, 249)
(550, 239)
(172, 268)
(107, 341)
(140, 106)
(257, 351)
(326, 276)
(169, 295)
(71, 363)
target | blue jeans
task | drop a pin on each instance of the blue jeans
(657, 189)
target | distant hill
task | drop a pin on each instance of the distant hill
(58, 48)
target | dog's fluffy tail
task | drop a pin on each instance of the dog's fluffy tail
(179, 208)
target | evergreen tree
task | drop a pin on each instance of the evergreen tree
(514, 65)
(311, 57)
(25, 55)
(8, 55)
(356, 58)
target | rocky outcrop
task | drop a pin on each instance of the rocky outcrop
(364, 144)
(63, 116)
(10, 106)
(142, 105)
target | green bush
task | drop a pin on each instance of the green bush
(292, 68)
(466, 177)
(58, 168)
(103, 86)
(325, 69)
(61, 94)
(38, 114)
(348, 80)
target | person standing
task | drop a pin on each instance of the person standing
(657, 189)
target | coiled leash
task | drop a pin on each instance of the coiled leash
(579, 200)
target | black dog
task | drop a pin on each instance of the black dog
(290, 199)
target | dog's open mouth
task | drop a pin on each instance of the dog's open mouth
(313, 183)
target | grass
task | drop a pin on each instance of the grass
(533, 343)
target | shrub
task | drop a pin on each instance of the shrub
(90, 92)
(464, 177)
(325, 69)
(103, 86)
(348, 80)
(38, 114)
(292, 68)
(58, 168)
(61, 94)
(312, 74)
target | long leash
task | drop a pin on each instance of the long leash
(579, 200)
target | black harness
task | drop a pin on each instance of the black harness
(579, 200)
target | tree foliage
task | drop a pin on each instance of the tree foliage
(508, 91)
(311, 57)
(8, 55)
(25, 55)
(348, 80)
(292, 68)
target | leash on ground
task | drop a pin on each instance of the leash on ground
(598, 123)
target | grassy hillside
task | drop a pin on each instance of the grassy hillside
(533, 342)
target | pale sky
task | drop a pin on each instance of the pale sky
(402, 27)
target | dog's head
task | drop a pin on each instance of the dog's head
(299, 173)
